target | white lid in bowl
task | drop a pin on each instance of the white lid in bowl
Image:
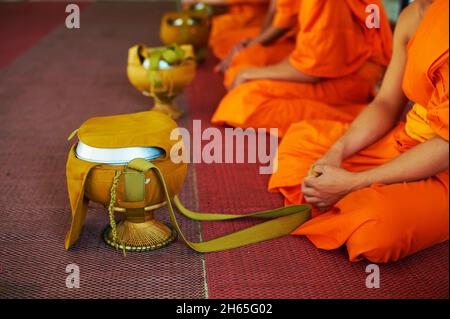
(163, 65)
(116, 156)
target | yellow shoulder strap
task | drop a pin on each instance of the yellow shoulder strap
(285, 220)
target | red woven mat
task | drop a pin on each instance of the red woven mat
(67, 77)
(23, 24)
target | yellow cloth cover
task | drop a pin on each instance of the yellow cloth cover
(417, 124)
(92, 181)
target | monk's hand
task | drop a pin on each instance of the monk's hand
(327, 184)
(226, 62)
(223, 65)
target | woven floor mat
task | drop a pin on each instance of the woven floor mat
(24, 24)
(67, 77)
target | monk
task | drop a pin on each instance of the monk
(386, 184)
(242, 20)
(332, 73)
(271, 46)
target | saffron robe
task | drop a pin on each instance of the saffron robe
(382, 222)
(333, 44)
(262, 55)
(243, 20)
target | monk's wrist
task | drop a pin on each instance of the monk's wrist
(336, 153)
(363, 179)
(250, 74)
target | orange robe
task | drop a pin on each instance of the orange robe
(334, 44)
(262, 55)
(243, 20)
(382, 222)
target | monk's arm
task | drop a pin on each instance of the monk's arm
(380, 116)
(269, 33)
(269, 15)
(282, 71)
(422, 161)
(267, 36)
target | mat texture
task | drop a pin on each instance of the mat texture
(23, 24)
(45, 93)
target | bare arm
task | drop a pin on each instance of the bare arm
(268, 34)
(270, 14)
(282, 71)
(383, 113)
(422, 161)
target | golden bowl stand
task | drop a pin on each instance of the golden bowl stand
(139, 231)
(166, 104)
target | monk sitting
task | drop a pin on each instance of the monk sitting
(331, 74)
(273, 44)
(242, 20)
(386, 184)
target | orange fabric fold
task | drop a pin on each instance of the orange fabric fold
(334, 40)
(258, 56)
(329, 31)
(381, 223)
(277, 104)
(426, 74)
(243, 20)
(286, 13)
